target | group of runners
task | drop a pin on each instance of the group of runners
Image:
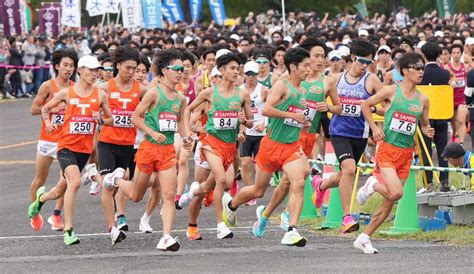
(127, 134)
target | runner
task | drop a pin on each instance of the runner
(162, 109)
(83, 103)
(317, 88)
(405, 108)
(349, 131)
(116, 142)
(209, 62)
(262, 57)
(218, 146)
(458, 81)
(64, 63)
(280, 149)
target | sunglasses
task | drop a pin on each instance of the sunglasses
(176, 68)
(251, 73)
(335, 59)
(108, 68)
(364, 61)
(418, 67)
(262, 61)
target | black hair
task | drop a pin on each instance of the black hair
(262, 52)
(134, 43)
(207, 38)
(144, 60)
(112, 44)
(125, 53)
(280, 48)
(105, 57)
(407, 60)
(362, 47)
(187, 55)
(396, 51)
(460, 47)
(431, 51)
(208, 51)
(312, 42)
(59, 54)
(407, 41)
(243, 57)
(164, 58)
(98, 46)
(295, 56)
(227, 58)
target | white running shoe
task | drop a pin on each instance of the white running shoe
(293, 238)
(116, 235)
(366, 190)
(89, 171)
(223, 232)
(363, 243)
(109, 179)
(145, 225)
(95, 188)
(168, 243)
(229, 216)
(187, 197)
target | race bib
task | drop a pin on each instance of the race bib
(168, 121)
(291, 122)
(122, 118)
(57, 119)
(460, 83)
(81, 125)
(403, 123)
(350, 107)
(224, 120)
(310, 109)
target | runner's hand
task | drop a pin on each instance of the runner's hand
(50, 127)
(158, 137)
(298, 117)
(377, 134)
(260, 128)
(96, 116)
(429, 132)
(242, 118)
(241, 137)
(306, 125)
(322, 107)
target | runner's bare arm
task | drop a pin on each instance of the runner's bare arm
(375, 86)
(43, 94)
(248, 122)
(183, 124)
(142, 91)
(384, 94)
(264, 93)
(336, 107)
(425, 119)
(104, 86)
(104, 105)
(202, 97)
(387, 80)
(150, 98)
(61, 96)
(278, 92)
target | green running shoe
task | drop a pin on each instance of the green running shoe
(35, 207)
(70, 237)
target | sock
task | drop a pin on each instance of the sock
(264, 214)
(57, 212)
(364, 236)
(177, 197)
(231, 207)
(110, 228)
(166, 235)
(290, 228)
(120, 216)
(145, 216)
(192, 225)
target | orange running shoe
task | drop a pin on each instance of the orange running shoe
(56, 222)
(193, 233)
(36, 222)
(208, 199)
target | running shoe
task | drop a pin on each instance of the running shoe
(56, 222)
(36, 222)
(229, 216)
(363, 243)
(234, 189)
(168, 243)
(261, 224)
(349, 224)
(116, 235)
(293, 238)
(285, 220)
(316, 183)
(145, 225)
(95, 188)
(223, 232)
(187, 197)
(35, 207)
(70, 237)
(122, 223)
(192, 232)
(251, 202)
(366, 190)
(109, 179)
(176, 202)
(368, 172)
(89, 171)
(208, 199)
(315, 169)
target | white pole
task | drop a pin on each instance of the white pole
(119, 12)
(284, 16)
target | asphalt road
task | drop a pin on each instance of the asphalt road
(23, 250)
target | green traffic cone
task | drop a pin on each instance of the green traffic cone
(406, 218)
(309, 210)
(334, 213)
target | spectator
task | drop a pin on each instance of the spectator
(15, 59)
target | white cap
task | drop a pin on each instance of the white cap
(288, 39)
(89, 61)
(187, 39)
(295, 45)
(344, 51)
(235, 37)
(215, 72)
(469, 41)
(334, 53)
(251, 66)
(330, 45)
(363, 32)
(439, 33)
(420, 44)
(221, 52)
(384, 47)
(276, 28)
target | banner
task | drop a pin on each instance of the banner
(218, 11)
(96, 7)
(362, 8)
(446, 8)
(11, 17)
(195, 10)
(112, 6)
(175, 9)
(152, 14)
(132, 14)
(71, 13)
(26, 17)
(48, 18)
(167, 14)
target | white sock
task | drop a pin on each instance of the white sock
(166, 236)
(364, 236)
(145, 216)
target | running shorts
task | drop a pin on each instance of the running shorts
(47, 149)
(348, 148)
(250, 147)
(308, 140)
(398, 158)
(225, 151)
(67, 158)
(197, 157)
(154, 157)
(112, 156)
(274, 155)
